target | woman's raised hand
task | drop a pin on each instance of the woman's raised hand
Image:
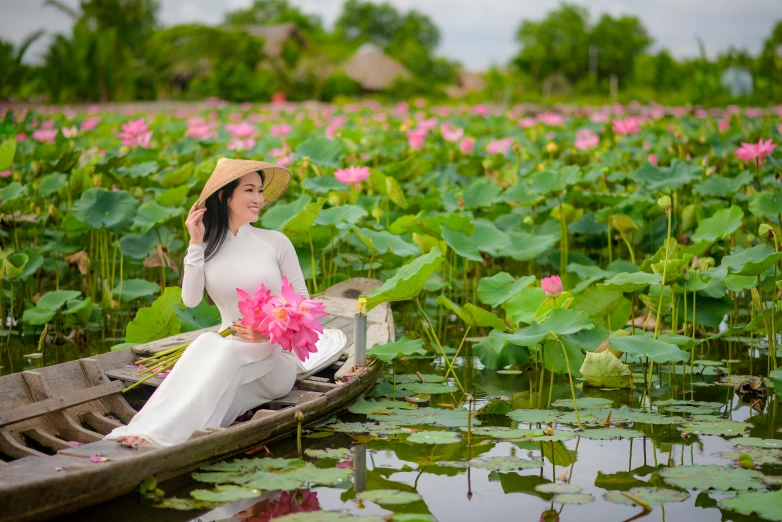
(195, 224)
(247, 333)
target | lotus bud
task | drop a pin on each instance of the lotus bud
(527, 220)
(361, 305)
(766, 231)
(377, 213)
(552, 286)
(695, 263)
(299, 416)
(551, 148)
(516, 147)
(334, 200)
(686, 275)
(664, 202)
(541, 167)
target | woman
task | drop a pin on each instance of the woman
(217, 379)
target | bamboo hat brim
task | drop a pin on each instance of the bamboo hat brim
(276, 180)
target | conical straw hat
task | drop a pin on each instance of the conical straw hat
(276, 181)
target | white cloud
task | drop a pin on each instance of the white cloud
(475, 32)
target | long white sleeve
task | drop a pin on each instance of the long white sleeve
(290, 267)
(194, 281)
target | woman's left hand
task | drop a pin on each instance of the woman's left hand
(247, 333)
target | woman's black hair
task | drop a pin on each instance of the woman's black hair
(216, 220)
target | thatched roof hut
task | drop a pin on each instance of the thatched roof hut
(372, 69)
(275, 36)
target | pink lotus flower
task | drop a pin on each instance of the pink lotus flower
(280, 130)
(627, 126)
(552, 286)
(241, 144)
(751, 151)
(251, 307)
(467, 145)
(241, 130)
(331, 131)
(90, 123)
(5, 174)
(724, 125)
(599, 117)
(652, 158)
(481, 110)
(45, 135)
(352, 175)
(451, 133)
(21, 137)
(552, 119)
(48, 125)
(586, 140)
(135, 134)
(70, 132)
(416, 138)
(526, 123)
(198, 128)
(499, 146)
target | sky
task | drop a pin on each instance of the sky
(478, 33)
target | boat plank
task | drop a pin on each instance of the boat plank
(14, 448)
(45, 439)
(99, 422)
(111, 449)
(57, 404)
(116, 403)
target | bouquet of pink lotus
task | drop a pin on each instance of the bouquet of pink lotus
(289, 319)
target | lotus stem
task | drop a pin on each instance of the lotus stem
(459, 349)
(469, 425)
(299, 416)
(437, 342)
(145, 379)
(570, 378)
(665, 271)
(637, 500)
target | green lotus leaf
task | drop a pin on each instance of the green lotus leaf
(427, 388)
(558, 487)
(11, 192)
(713, 477)
(753, 261)
(350, 214)
(323, 185)
(681, 402)
(426, 416)
(365, 428)
(408, 281)
(185, 504)
(322, 152)
(501, 463)
(726, 428)
(755, 442)
(56, 299)
(364, 407)
(134, 288)
(402, 378)
(766, 205)
(389, 496)
(534, 416)
(312, 474)
(7, 152)
(435, 437)
(81, 309)
(489, 238)
(157, 321)
(15, 264)
(225, 494)
(481, 193)
(521, 307)
(461, 223)
(494, 353)
(583, 403)
(302, 221)
(766, 505)
(573, 498)
(495, 406)
(642, 346)
(461, 244)
(151, 214)
(610, 434)
(51, 184)
(557, 436)
(758, 456)
(338, 516)
(676, 176)
(520, 194)
(382, 241)
(524, 246)
(395, 193)
(38, 316)
(404, 347)
(546, 181)
(501, 432)
(723, 223)
(178, 176)
(332, 453)
(138, 246)
(203, 315)
(604, 370)
(719, 186)
(270, 481)
(690, 410)
(596, 302)
(140, 170)
(113, 210)
(651, 496)
(279, 214)
(473, 315)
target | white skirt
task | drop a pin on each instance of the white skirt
(216, 380)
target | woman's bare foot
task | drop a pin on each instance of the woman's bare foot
(132, 442)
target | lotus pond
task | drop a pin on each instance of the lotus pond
(586, 299)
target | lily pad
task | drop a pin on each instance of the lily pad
(435, 437)
(509, 463)
(711, 476)
(185, 504)
(610, 434)
(534, 416)
(583, 402)
(389, 496)
(758, 456)
(501, 432)
(558, 487)
(365, 407)
(719, 427)
(678, 402)
(225, 494)
(767, 505)
(755, 442)
(691, 410)
(404, 347)
(365, 428)
(497, 289)
(403, 378)
(651, 496)
(642, 346)
(427, 388)
(573, 498)
(333, 453)
(426, 416)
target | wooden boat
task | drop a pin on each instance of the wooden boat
(43, 475)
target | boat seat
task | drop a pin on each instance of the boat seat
(294, 398)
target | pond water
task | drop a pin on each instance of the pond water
(598, 470)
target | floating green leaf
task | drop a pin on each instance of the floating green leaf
(642, 346)
(766, 505)
(534, 416)
(365, 407)
(651, 496)
(404, 347)
(711, 476)
(225, 494)
(333, 453)
(755, 442)
(389, 496)
(558, 487)
(573, 498)
(434, 437)
(611, 434)
(583, 402)
(718, 427)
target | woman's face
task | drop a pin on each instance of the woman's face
(244, 204)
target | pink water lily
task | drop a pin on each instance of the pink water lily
(352, 175)
(652, 158)
(241, 144)
(280, 130)
(416, 138)
(5, 174)
(586, 140)
(552, 286)
(755, 151)
(90, 123)
(70, 132)
(467, 145)
(627, 126)
(499, 146)
(45, 135)
(451, 133)
(243, 130)
(135, 133)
